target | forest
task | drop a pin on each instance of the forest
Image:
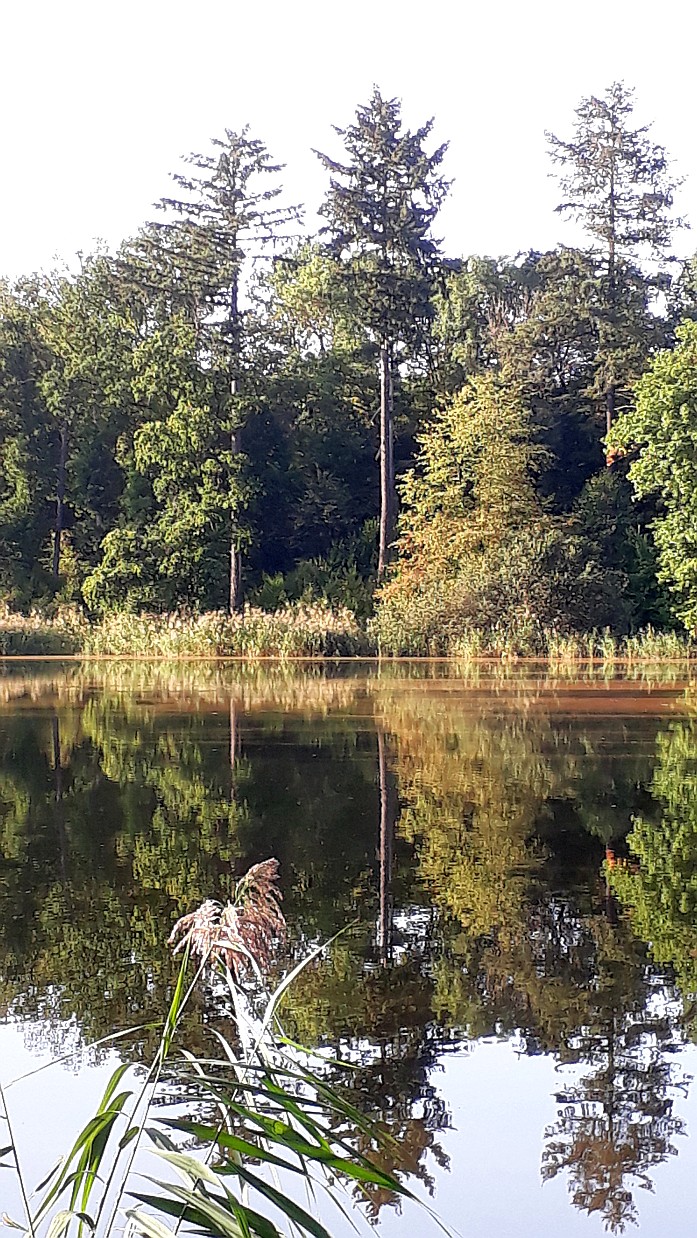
(417, 452)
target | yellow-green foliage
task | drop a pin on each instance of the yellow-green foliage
(477, 552)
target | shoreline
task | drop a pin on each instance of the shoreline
(354, 659)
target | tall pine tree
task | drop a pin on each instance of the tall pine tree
(379, 208)
(617, 183)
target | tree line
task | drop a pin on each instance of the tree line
(229, 410)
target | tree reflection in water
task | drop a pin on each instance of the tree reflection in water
(464, 832)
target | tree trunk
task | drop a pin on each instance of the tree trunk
(387, 825)
(235, 600)
(387, 489)
(610, 395)
(610, 411)
(60, 499)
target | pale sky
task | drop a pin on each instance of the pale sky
(99, 98)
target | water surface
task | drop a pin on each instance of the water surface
(516, 852)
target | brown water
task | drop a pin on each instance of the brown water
(518, 852)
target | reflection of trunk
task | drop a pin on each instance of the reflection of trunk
(58, 788)
(387, 491)
(388, 814)
(234, 740)
(60, 498)
(611, 912)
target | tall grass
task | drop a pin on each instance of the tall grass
(316, 630)
(294, 631)
(266, 1120)
(558, 648)
(41, 635)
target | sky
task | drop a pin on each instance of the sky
(100, 98)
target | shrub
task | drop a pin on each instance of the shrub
(537, 580)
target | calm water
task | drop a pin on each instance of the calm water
(517, 852)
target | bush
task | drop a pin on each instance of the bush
(344, 578)
(536, 581)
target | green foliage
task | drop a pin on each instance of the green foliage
(661, 434)
(380, 207)
(516, 600)
(208, 394)
(344, 578)
(618, 184)
(615, 180)
(477, 551)
(659, 886)
(617, 527)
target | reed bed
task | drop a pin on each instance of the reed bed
(42, 635)
(295, 631)
(561, 648)
(317, 630)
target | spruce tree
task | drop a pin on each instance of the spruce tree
(379, 208)
(617, 183)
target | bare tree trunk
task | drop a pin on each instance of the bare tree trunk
(610, 395)
(610, 398)
(388, 814)
(235, 599)
(60, 499)
(235, 555)
(387, 489)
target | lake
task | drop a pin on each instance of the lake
(513, 850)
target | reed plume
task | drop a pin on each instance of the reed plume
(247, 927)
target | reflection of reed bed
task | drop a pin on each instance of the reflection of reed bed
(533, 687)
(313, 688)
(327, 686)
(31, 684)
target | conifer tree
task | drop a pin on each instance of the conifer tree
(226, 213)
(379, 208)
(618, 184)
